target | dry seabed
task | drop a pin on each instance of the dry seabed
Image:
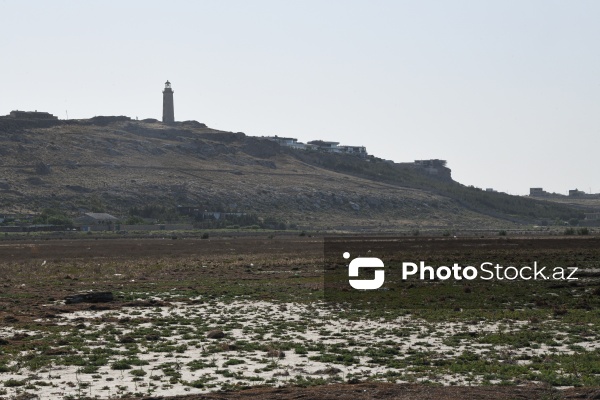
(210, 344)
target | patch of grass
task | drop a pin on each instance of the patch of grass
(120, 365)
(15, 382)
(138, 372)
(233, 361)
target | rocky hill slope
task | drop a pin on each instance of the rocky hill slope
(113, 164)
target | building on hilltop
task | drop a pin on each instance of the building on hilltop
(329, 147)
(434, 167)
(168, 107)
(31, 115)
(320, 145)
(431, 163)
(576, 193)
(283, 141)
(538, 192)
(292, 143)
(360, 151)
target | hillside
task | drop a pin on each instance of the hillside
(113, 164)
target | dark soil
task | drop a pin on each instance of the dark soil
(402, 392)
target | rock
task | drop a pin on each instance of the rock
(228, 346)
(94, 297)
(275, 353)
(59, 351)
(42, 168)
(328, 371)
(102, 120)
(152, 337)
(215, 334)
(260, 148)
(282, 373)
(127, 339)
(72, 164)
(146, 303)
(193, 124)
(95, 307)
(35, 180)
(26, 396)
(79, 189)
(19, 336)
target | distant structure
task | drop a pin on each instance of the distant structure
(335, 147)
(360, 151)
(96, 222)
(320, 145)
(576, 193)
(288, 142)
(327, 147)
(31, 115)
(168, 108)
(434, 167)
(538, 192)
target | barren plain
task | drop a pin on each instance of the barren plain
(245, 317)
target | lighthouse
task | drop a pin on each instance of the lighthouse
(168, 109)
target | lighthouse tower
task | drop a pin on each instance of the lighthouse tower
(168, 109)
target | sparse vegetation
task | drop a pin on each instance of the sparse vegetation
(133, 170)
(53, 217)
(490, 203)
(150, 344)
(263, 291)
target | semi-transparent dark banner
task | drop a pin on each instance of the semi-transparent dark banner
(460, 273)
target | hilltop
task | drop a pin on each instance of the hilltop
(114, 164)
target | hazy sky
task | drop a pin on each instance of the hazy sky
(507, 91)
